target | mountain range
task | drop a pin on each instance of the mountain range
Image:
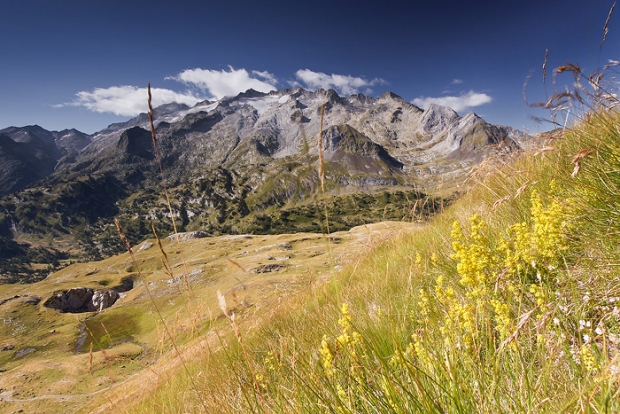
(243, 164)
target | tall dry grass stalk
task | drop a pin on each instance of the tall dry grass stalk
(606, 28)
(321, 168)
(166, 194)
(588, 92)
(230, 315)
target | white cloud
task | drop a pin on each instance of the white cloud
(269, 77)
(344, 84)
(128, 100)
(220, 83)
(457, 81)
(459, 103)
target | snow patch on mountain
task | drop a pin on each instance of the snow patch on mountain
(261, 104)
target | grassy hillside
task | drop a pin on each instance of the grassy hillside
(506, 302)
(47, 364)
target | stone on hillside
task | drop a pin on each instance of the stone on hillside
(189, 235)
(269, 268)
(145, 246)
(24, 352)
(34, 300)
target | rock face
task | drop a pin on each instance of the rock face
(83, 299)
(136, 142)
(347, 146)
(102, 299)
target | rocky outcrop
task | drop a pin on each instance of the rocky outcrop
(347, 147)
(189, 235)
(84, 299)
(103, 299)
(268, 268)
(137, 142)
(347, 139)
(81, 299)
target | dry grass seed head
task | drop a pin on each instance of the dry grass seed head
(578, 157)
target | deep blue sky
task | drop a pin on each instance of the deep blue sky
(58, 58)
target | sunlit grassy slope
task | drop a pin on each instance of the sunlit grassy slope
(46, 363)
(507, 302)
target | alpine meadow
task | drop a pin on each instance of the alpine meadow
(304, 250)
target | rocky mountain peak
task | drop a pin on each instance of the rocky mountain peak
(390, 96)
(136, 141)
(361, 98)
(251, 93)
(437, 117)
(329, 95)
(348, 139)
(292, 92)
(71, 140)
(33, 134)
(24, 162)
(169, 108)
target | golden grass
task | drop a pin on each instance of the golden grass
(210, 268)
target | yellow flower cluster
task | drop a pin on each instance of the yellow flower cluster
(541, 298)
(341, 362)
(423, 310)
(495, 273)
(327, 357)
(537, 249)
(270, 362)
(503, 322)
(418, 258)
(588, 359)
(416, 348)
(478, 265)
(348, 340)
(475, 258)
